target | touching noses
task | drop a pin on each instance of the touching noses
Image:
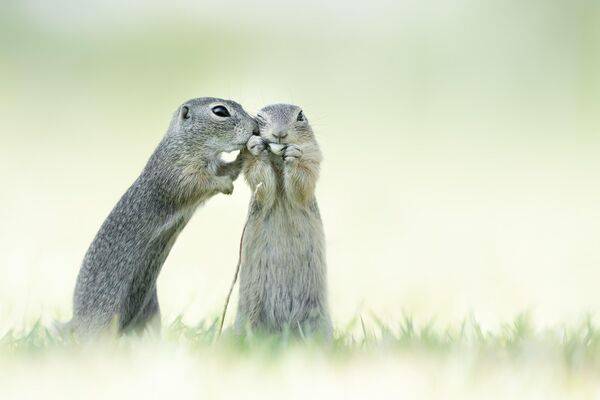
(255, 130)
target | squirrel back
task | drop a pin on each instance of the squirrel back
(117, 280)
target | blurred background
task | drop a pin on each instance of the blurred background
(461, 142)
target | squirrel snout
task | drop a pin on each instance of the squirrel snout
(280, 134)
(255, 128)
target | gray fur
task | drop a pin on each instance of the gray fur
(117, 281)
(283, 283)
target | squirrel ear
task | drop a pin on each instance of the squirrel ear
(184, 113)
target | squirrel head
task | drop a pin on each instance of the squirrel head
(208, 126)
(284, 123)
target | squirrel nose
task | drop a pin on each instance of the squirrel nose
(255, 130)
(280, 134)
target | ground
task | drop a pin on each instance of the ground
(373, 359)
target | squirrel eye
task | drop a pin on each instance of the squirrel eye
(300, 116)
(221, 111)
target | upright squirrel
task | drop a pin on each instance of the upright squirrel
(283, 283)
(117, 280)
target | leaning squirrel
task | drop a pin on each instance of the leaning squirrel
(283, 285)
(117, 281)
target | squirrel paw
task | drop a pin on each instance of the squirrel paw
(256, 145)
(225, 185)
(292, 153)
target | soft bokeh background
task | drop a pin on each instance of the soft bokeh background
(461, 175)
(461, 144)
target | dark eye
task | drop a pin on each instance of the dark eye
(221, 111)
(300, 116)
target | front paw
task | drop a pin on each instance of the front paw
(292, 153)
(225, 185)
(256, 145)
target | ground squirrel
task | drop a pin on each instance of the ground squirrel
(117, 281)
(283, 268)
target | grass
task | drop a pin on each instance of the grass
(575, 347)
(367, 357)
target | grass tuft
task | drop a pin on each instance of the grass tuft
(575, 347)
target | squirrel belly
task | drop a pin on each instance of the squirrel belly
(283, 272)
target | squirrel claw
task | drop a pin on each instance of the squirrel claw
(228, 190)
(225, 185)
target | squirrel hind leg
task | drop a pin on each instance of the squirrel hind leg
(141, 319)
